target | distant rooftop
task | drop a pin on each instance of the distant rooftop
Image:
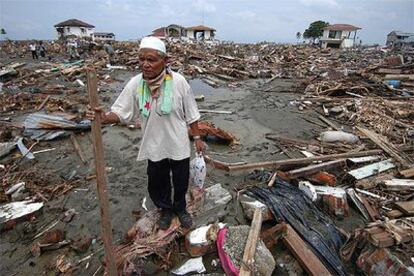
(342, 27)
(200, 28)
(400, 33)
(101, 34)
(74, 23)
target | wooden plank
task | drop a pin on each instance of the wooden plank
(389, 71)
(302, 161)
(329, 123)
(381, 240)
(40, 107)
(381, 142)
(372, 212)
(220, 164)
(365, 159)
(250, 249)
(101, 173)
(393, 214)
(272, 180)
(215, 111)
(305, 256)
(396, 184)
(371, 169)
(77, 148)
(399, 77)
(408, 173)
(407, 207)
(312, 169)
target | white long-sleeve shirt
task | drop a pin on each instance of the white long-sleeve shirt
(164, 135)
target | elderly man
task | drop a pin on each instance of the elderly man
(166, 105)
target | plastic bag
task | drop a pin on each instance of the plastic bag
(198, 171)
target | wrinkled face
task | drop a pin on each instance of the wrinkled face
(150, 63)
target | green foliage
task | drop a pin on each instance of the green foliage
(3, 31)
(315, 30)
(298, 35)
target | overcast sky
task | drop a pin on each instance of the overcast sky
(237, 20)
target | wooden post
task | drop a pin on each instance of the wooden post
(251, 244)
(77, 148)
(302, 161)
(101, 173)
(303, 254)
(43, 103)
(272, 180)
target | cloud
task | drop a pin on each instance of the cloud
(331, 3)
(246, 14)
(204, 6)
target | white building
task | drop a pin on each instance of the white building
(339, 36)
(179, 32)
(74, 27)
(200, 32)
(103, 36)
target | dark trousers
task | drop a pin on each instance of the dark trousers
(34, 55)
(159, 183)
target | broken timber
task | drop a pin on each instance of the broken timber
(77, 148)
(312, 169)
(386, 146)
(301, 161)
(305, 256)
(101, 173)
(251, 244)
(408, 173)
(372, 169)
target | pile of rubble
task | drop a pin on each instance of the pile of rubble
(361, 166)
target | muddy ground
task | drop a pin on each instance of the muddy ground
(255, 113)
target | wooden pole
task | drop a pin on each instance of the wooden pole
(77, 148)
(43, 103)
(101, 173)
(251, 244)
(303, 161)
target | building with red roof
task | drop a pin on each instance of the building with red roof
(339, 36)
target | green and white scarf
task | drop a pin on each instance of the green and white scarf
(165, 99)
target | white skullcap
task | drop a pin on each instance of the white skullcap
(151, 42)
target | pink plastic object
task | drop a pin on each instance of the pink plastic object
(225, 260)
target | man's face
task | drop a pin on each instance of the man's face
(150, 63)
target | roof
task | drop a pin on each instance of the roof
(74, 23)
(341, 27)
(175, 26)
(160, 32)
(400, 33)
(200, 28)
(112, 34)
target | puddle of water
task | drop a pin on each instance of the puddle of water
(201, 88)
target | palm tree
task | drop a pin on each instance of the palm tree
(298, 36)
(3, 31)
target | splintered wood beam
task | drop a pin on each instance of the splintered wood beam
(101, 173)
(251, 244)
(305, 256)
(302, 161)
(389, 148)
(78, 148)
